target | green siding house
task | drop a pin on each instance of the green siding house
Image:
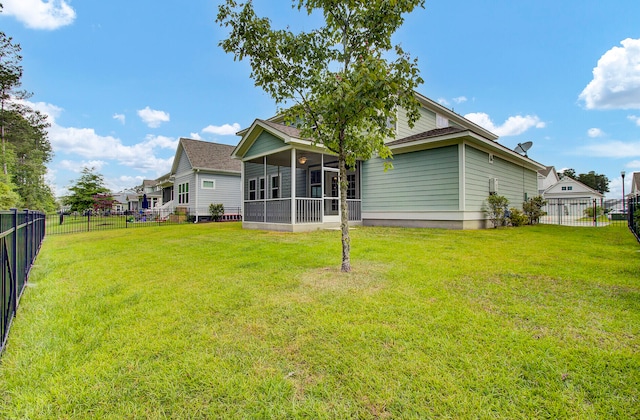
(444, 168)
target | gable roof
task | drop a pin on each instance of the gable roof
(286, 133)
(205, 155)
(582, 188)
(440, 136)
(427, 135)
(546, 171)
(455, 117)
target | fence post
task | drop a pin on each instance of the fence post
(88, 220)
(14, 263)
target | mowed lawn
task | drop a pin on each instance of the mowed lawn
(212, 321)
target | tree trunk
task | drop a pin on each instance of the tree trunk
(344, 214)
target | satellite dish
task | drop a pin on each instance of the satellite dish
(523, 147)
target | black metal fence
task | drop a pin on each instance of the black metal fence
(633, 212)
(585, 212)
(21, 234)
(61, 223)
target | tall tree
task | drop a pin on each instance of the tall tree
(569, 172)
(23, 131)
(26, 135)
(10, 81)
(85, 188)
(596, 181)
(335, 82)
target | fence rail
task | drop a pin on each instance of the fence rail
(21, 234)
(584, 212)
(60, 223)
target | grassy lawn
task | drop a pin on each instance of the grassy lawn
(210, 321)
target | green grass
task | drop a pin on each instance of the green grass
(210, 321)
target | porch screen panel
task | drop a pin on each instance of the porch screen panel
(252, 173)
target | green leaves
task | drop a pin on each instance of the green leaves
(339, 88)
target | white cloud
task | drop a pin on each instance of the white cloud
(595, 132)
(195, 136)
(120, 117)
(613, 149)
(460, 99)
(635, 119)
(616, 79)
(222, 130)
(88, 144)
(513, 126)
(634, 164)
(162, 142)
(152, 117)
(443, 102)
(40, 14)
(79, 166)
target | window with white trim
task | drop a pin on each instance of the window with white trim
(275, 186)
(261, 189)
(183, 193)
(208, 184)
(252, 189)
(351, 186)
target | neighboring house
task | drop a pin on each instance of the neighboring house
(203, 173)
(444, 168)
(546, 178)
(570, 197)
(635, 184)
(125, 201)
(153, 193)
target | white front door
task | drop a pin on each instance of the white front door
(331, 195)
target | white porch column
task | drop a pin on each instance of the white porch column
(242, 189)
(293, 186)
(462, 163)
(264, 179)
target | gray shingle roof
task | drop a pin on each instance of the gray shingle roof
(546, 171)
(428, 134)
(211, 156)
(286, 129)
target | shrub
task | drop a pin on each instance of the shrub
(533, 209)
(517, 217)
(497, 209)
(216, 211)
(589, 211)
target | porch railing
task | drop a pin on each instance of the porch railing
(308, 210)
(254, 211)
(278, 211)
(354, 207)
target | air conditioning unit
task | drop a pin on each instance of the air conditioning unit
(493, 185)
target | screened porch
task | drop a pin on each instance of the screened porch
(297, 187)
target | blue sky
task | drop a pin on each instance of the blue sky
(122, 81)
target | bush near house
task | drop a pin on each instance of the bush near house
(216, 211)
(517, 217)
(496, 212)
(590, 210)
(533, 209)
